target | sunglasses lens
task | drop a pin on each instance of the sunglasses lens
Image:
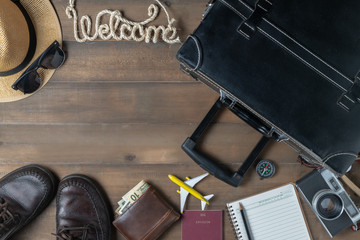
(53, 59)
(29, 83)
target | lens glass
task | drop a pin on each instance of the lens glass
(329, 206)
(53, 59)
(29, 83)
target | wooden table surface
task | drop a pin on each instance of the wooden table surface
(119, 112)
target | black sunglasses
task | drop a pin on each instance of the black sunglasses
(53, 57)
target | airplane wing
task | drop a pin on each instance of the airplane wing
(183, 196)
(195, 180)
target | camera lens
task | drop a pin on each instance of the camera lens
(329, 205)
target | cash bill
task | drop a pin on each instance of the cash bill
(118, 210)
(122, 210)
(136, 192)
(131, 196)
(121, 203)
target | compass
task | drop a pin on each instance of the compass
(265, 169)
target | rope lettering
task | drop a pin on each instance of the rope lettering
(120, 28)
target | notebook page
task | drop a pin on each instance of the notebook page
(275, 214)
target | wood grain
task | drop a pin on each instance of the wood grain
(120, 62)
(113, 103)
(128, 144)
(119, 112)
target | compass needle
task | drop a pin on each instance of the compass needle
(265, 169)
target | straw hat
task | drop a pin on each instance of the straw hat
(20, 46)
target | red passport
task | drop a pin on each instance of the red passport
(202, 225)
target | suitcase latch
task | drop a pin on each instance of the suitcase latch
(227, 100)
(248, 27)
(352, 97)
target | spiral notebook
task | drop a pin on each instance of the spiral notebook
(275, 214)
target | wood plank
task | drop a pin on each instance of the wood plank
(120, 62)
(187, 13)
(114, 103)
(117, 179)
(130, 144)
(119, 112)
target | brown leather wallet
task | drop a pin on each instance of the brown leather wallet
(147, 218)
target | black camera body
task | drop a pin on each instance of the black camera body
(329, 200)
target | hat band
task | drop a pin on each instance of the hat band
(32, 44)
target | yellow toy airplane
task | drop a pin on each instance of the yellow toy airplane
(186, 187)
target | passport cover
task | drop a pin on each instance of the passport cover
(147, 218)
(202, 225)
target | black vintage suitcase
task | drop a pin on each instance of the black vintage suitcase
(289, 68)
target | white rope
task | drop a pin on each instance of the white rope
(120, 28)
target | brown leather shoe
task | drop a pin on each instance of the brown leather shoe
(81, 210)
(24, 194)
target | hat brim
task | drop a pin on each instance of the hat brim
(47, 29)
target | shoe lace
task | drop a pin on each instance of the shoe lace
(6, 217)
(72, 233)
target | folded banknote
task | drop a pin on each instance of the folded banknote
(131, 196)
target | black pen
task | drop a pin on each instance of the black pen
(245, 221)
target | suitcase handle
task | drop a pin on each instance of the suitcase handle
(221, 172)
